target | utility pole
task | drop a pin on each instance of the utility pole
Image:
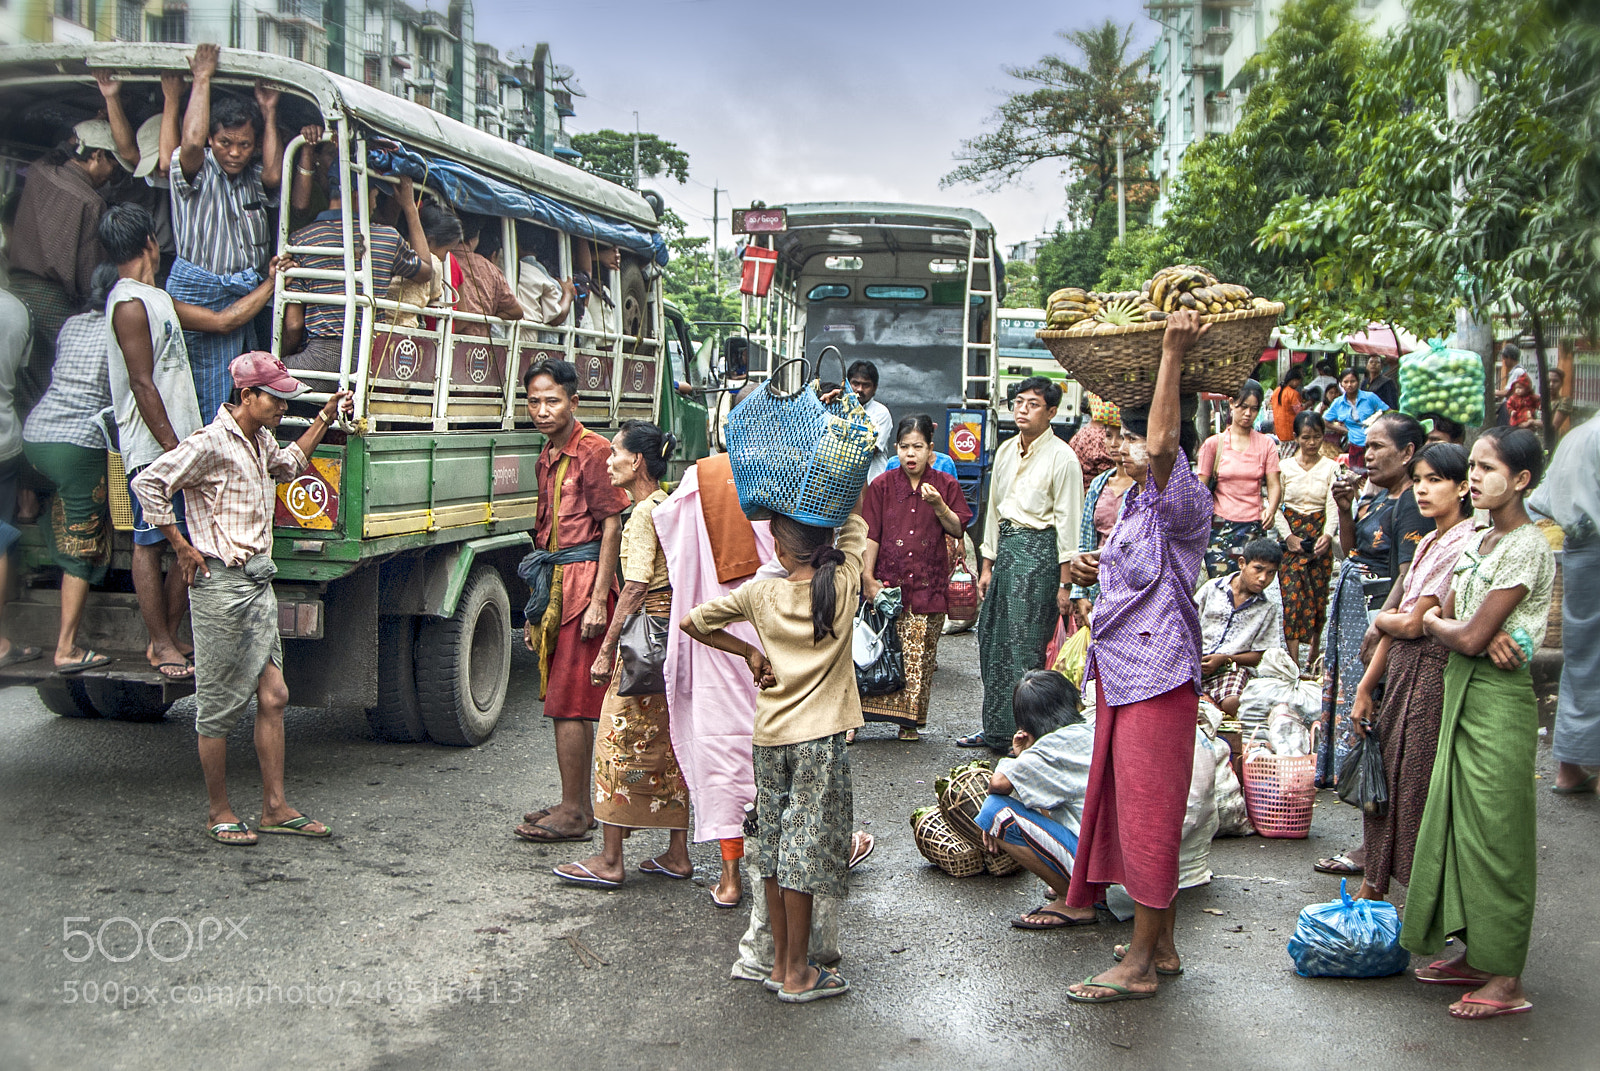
(638, 179)
(1462, 95)
(386, 51)
(1122, 197)
(716, 265)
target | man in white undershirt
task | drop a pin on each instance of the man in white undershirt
(863, 377)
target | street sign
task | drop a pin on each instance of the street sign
(760, 220)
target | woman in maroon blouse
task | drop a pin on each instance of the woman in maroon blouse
(909, 511)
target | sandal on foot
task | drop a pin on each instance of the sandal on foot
(90, 660)
(216, 831)
(1067, 921)
(296, 827)
(1118, 951)
(1452, 975)
(650, 866)
(1340, 864)
(975, 740)
(588, 877)
(829, 983)
(909, 735)
(1586, 786)
(185, 670)
(849, 736)
(19, 653)
(1501, 1007)
(736, 901)
(545, 835)
(1118, 992)
(861, 845)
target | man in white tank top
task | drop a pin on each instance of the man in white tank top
(153, 393)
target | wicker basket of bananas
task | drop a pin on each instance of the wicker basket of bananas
(1111, 342)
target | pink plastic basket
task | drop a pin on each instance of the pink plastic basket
(1279, 791)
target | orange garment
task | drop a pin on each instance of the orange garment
(732, 848)
(1286, 404)
(733, 540)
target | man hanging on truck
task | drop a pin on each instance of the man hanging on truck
(577, 538)
(227, 470)
(224, 201)
(152, 390)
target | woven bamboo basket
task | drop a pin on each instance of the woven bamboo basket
(961, 797)
(941, 846)
(1001, 866)
(1119, 363)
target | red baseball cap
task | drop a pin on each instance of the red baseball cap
(262, 371)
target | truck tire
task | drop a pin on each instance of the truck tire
(463, 663)
(67, 697)
(127, 700)
(397, 717)
(633, 302)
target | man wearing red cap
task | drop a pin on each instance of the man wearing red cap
(229, 469)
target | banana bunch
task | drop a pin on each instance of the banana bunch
(1188, 286)
(1068, 306)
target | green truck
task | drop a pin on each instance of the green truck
(397, 548)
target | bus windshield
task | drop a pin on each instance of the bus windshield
(1017, 333)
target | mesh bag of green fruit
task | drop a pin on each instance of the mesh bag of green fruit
(1443, 381)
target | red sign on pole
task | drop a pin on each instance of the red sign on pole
(760, 220)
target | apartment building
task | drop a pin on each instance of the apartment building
(1198, 64)
(414, 51)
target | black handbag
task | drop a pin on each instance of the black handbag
(879, 661)
(642, 655)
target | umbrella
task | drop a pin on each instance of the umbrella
(1383, 340)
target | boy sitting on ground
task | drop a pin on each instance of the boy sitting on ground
(1238, 624)
(1035, 802)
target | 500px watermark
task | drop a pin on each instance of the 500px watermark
(349, 991)
(119, 939)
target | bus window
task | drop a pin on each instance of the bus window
(896, 293)
(946, 266)
(837, 263)
(828, 292)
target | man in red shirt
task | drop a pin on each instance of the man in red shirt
(570, 574)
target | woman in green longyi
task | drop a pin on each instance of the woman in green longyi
(1474, 872)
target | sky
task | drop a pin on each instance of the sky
(822, 100)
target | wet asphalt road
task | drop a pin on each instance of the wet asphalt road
(422, 935)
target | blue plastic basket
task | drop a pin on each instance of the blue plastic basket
(792, 455)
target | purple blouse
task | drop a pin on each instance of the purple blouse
(1146, 627)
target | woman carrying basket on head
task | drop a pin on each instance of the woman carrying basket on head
(909, 511)
(1145, 661)
(637, 782)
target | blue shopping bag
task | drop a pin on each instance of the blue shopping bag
(1348, 939)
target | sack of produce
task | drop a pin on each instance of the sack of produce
(1233, 819)
(1277, 680)
(1437, 379)
(1348, 939)
(791, 454)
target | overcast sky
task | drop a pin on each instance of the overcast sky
(821, 100)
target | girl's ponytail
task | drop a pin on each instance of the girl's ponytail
(824, 597)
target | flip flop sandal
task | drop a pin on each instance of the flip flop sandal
(777, 987)
(1453, 976)
(1340, 865)
(975, 740)
(829, 983)
(650, 866)
(546, 835)
(859, 856)
(1584, 787)
(533, 817)
(90, 660)
(186, 667)
(19, 654)
(1066, 923)
(296, 827)
(216, 831)
(720, 903)
(592, 879)
(1118, 992)
(1500, 1007)
(1118, 951)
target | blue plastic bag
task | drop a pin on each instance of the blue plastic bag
(1348, 939)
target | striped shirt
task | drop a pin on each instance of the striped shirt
(1146, 626)
(80, 387)
(392, 256)
(231, 487)
(222, 224)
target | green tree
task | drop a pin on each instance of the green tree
(1022, 286)
(688, 281)
(1073, 114)
(1075, 257)
(1135, 258)
(1284, 145)
(609, 154)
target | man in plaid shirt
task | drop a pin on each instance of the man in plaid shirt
(229, 470)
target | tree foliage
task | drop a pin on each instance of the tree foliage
(1073, 114)
(1284, 146)
(1130, 261)
(1022, 286)
(1075, 257)
(609, 154)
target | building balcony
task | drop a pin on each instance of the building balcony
(1219, 114)
(307, 11)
